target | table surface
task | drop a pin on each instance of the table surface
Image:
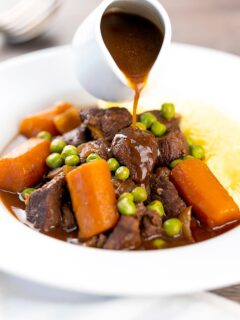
(213, 23)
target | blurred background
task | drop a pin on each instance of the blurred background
(208, 23)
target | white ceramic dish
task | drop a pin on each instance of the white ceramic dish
(34, 81)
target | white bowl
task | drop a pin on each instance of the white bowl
(34, 81)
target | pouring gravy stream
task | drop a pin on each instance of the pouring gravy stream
(134, 43)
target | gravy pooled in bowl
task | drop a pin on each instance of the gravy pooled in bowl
(134, 43)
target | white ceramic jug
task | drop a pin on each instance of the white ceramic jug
(96, 70)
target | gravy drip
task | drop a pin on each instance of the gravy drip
(134, 43)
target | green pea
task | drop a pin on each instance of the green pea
(69, 151)
(172, 227)
(54, 161)
(57, 145)
(168, 111)
(122, 173)
(141, 126)
(113, 164)
(158, 129)
(188, 157)
(139, 194)
(44, 135)
(158, 243)
(126, 207)
(157, 206)
(148, 119)
(127, 195)
(93, 157)
(190, 141)
(197, 151)
(26, 192)
(72, 161)
(175, 162)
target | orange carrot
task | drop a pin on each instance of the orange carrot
(67, 120)
(42, 121)
(93, 198)
(200, 189)
(24, 166)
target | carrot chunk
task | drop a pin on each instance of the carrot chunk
(42, 121)
(68, 120)
(201, 190)
(93, 198)
(24, 166)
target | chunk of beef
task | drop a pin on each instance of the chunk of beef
(105, 123)
(170, 124)
(171, 146)
(122, 186)
(164, 190)
(137, 150)
(77, 136)
(44, 206)
(100, 146)
(96, 241)
(126, 235)
(141, 210)
(151, 225)
(68, 219)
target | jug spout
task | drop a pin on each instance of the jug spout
(96, 69)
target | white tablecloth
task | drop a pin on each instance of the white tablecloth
(23, 300)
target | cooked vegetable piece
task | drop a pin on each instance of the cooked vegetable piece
(42, 121)
(201, 190)
(122, 173)
(54, 161)
(139, 194)
(175, 162)
(93, 157)
(197, 151)
(126, 207)
(158, 129)
(148, 119)
(25, 194)
(24, 166)
(168, 111)
(113, 164)
(127, 195)
(44, 135)
(141, 126)
(156, 206)
(172, 227)
(69, 151)
(93, 198)
(72, 160)
(57, 145)
(68, 120)
(159, 243)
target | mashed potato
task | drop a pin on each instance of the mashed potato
(218, 135)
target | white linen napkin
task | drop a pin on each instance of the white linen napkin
(23, 300)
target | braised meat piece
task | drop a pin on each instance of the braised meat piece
(171, 146)
(44, 205)
(68, 219)
(151, 225)
(96, 241)
(126, 235)
(164, 190)
(100, 146)
(137, 150)
(170, 124)
(77, 136)
(105, 123)
(122, 186)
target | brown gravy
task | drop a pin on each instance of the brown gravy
(134, 43)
